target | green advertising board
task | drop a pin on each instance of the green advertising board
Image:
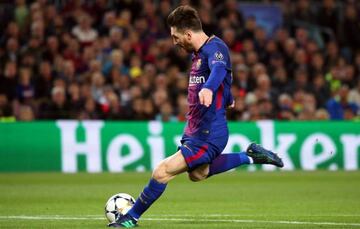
(96, 146)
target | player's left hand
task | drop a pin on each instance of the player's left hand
(205, 97)
(232, 105)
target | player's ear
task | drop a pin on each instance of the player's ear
(188, 34)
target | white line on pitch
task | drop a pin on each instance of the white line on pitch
(24, 217)
(246, 215)
(236, 215)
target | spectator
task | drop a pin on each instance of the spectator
(166, 113)
(250, 26)
(43, 82)
(303, 11)
(116, 61)
(25, 90)
(230, 12)
(57, 108)
(182, 108)
(301, 82)
(285, 103)
(266, 109)
(12, 50)
(5, 107)
(109, 23)
(354, 95)
(328, 16)
(26, 113)
(309, 107)
(241, 79)
(338, 106)
(280, 79)
(57, 61)
(21, 14)
(52, 49)
(90, 110)
(149, 109)
(229, 37)
(75, 100)
(83, 31)
(321, 114)
(8, 80)
(321, 90)
(351, 27)
(97, 87)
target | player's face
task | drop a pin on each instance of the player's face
(182, 39)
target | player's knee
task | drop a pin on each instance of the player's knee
(196, 176)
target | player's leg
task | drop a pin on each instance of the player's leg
(162, 174)
(200, 173)
(225, 162)
(220, 164)
(208, 159)
(169, 168)
(205, 158)
(254, 154)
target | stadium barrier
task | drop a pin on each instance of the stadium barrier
(97, 146)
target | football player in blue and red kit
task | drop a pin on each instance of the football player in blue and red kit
(206, 132)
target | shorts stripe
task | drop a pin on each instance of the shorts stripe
(201, 151)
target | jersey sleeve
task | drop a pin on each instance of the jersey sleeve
(218, 55)
(218, 62)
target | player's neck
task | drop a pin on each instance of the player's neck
(199, 40)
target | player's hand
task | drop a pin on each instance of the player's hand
(205, 97)
(232, 105)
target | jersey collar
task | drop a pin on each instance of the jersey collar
(207, 41)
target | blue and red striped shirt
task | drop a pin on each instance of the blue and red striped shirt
(211, 68)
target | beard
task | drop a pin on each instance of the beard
(187, 47)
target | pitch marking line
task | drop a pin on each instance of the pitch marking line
(237, 215)
(57, 217)
(242, 215)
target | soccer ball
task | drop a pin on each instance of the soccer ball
(118, 204)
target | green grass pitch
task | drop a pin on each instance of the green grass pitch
(232, 200)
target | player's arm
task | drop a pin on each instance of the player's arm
(218, 70)
(216, 77)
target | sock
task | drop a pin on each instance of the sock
(225, 162)
(151, 193)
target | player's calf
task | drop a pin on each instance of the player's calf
(200, 173)
(196, 177)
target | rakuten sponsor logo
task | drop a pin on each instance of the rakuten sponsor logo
(196, 79)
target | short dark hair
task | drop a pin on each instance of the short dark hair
(184, 17)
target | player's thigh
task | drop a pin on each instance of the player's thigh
(199, 173)
(170, 167)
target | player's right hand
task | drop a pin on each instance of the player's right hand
(205, 97)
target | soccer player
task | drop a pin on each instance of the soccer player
(206, 133)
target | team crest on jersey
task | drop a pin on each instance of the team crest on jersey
(219, 56)
(198, 64)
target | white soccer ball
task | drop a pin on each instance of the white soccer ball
(119, 203)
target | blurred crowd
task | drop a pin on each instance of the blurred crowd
(115, 60)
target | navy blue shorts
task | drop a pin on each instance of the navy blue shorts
(197, 152)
